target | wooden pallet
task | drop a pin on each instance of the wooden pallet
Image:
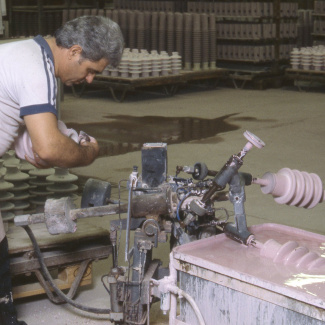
(119, 87)
(310, 77)
(65, 279)
(68, 257)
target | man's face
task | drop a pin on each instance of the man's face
(77, 70)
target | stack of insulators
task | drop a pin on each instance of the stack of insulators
(62, 184)
(38, 189)
(197, 39)
(179, 31)
(170, 33)
(20, 189)
(6, 207)
(162, 28)
(140, 30)
(154, 31)
(188, 41)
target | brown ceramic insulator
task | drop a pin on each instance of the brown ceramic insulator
(115, 16)
(108, 14)
(205, 40)
(147, 27)
(154, 31)
(213, 40)
(94, 12)
(132, 29)
(179, 41)
(162, 32)
(170, 32)
(72, 14)
(79, 12)
(65, 16)
(196, 50)
(101, 12)
(188, 36)
(140, 30)
(123, 22)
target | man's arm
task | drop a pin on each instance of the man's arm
(53, 147)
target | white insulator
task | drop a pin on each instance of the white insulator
(293, 187)
(291, 254)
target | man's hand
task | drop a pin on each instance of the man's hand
(55, 148)
(92, 144)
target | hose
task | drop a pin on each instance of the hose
(175, 290)
(49, 278)
(180, 204)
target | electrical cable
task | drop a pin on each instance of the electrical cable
(49, 278)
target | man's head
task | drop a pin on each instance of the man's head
(96, 41)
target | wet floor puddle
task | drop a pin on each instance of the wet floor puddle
(120, 134)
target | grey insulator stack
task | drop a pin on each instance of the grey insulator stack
(132, 29)
(197, 39)
(162, 32)
(9, 158)
(6, 207)
(20, 189)
(170, 32)
(205, 41)
(38, 184)
(154, 31)
(188, 24)
(62, 184)
(147, 30)
(179, 32)
(123, 19)
(140, 30)
(213, 40)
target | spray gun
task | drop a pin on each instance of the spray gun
(229, 175)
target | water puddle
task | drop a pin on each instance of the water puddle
(120, 134)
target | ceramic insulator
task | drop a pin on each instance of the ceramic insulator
(293, 187)
(291, 254)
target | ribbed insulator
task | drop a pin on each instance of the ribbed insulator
(291, 254)
(293, 187)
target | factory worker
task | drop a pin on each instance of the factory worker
(28, 85)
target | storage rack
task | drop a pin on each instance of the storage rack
(319, 23)
(32, 17)
(312, 76)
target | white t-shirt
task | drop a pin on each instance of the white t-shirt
(27, 85)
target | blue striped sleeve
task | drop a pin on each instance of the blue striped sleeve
(35, 109)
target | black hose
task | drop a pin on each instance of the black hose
(48, 277)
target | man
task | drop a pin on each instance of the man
(28, 69)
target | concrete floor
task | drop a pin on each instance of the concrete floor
(291, 123)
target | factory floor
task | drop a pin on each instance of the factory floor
(200, 124)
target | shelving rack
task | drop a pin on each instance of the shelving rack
(32, 17)
(255, 32)
(319, 23)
